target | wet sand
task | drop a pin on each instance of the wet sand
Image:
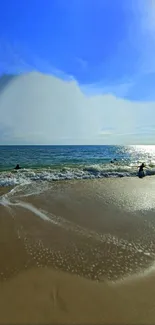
(79, 252)
(42, 296)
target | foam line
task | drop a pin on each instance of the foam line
(37, 212)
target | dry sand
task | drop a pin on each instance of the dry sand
(95, 230)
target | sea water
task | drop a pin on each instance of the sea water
(52, 163)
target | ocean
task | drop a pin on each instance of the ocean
(52, 163)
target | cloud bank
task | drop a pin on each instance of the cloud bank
(42, 109)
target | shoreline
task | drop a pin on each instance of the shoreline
(55, 242)
(67, 209)
(68, 173)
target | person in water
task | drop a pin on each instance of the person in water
(113, 161)
(141, 167)
(17, 167)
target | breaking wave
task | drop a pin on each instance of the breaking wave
(27, 176)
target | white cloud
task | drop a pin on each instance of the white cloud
(106, 132)
(120, 89)
(37, 108)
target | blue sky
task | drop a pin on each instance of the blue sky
(102, 43)
(107, 47)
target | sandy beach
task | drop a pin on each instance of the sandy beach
(78, 252)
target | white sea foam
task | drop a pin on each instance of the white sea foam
(33, 209)
(43, 215)
(70, 226)
(6, 200)
(27, 176)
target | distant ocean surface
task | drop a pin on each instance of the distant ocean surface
(52, 163)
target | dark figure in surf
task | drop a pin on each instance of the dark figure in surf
(113, 161)
(141, 167)
(17, 167)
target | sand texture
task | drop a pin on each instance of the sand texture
(78, 252)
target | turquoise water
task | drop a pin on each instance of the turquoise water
(72, 162)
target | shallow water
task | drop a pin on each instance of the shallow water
(98, 229)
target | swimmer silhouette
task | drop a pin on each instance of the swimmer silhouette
(141, 171)
(141, 167)
(17, 167)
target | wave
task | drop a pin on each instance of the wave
(27, 176)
